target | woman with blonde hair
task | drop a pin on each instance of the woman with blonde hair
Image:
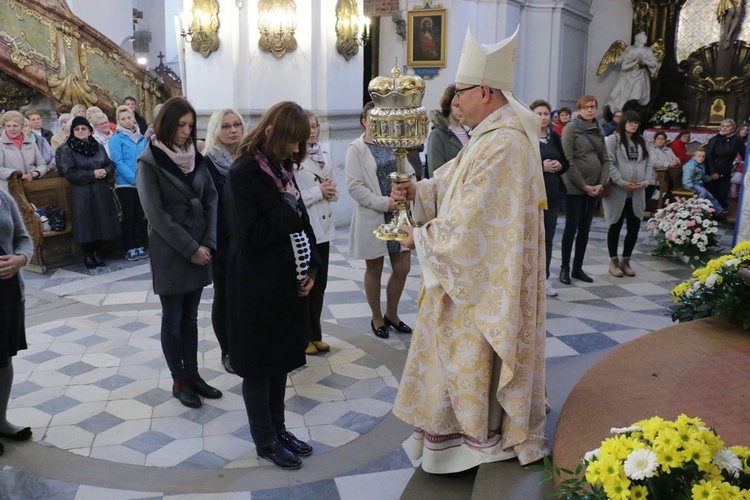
(59, 138)
(271, 271)
(124, 148)
(102, 132)
(224, 133)
(18, 153)
(78, 110)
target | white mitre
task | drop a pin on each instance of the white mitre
(494, 65)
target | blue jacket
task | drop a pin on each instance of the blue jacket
(124, 152)
(694, 174)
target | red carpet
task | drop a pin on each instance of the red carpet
(701, 369)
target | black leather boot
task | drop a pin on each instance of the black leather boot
(98, 260)
(580, 275)
(88, 261)
(565, 275)
(201, 387)
(186, 394)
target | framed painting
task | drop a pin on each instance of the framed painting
(425, 38)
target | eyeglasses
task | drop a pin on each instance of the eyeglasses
(227, 126)
(589, 106)
(458, 91)
(102, 124)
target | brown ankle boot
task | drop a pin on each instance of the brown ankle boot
(625, 266)
(614, 267)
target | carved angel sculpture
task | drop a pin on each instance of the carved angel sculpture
(638, 64)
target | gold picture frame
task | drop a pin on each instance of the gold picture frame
(426, 40)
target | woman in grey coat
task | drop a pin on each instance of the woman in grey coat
(88, 169)
(16, 249)
(630, 168)
(179, 200)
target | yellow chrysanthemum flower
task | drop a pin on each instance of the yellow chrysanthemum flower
(704, 490)
(742, 249)
(639, 492)
(709, 437)
(611, 468)
(651, 426)
(618, 489)
(669, 458)
(679, 291)
(685, 420)
(667, 438)
(593, 472)
(698, 453)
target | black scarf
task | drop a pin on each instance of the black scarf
(88, 147)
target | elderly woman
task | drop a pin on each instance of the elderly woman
(721, 151)
(78, 110)
(630, 167)
(224, 132)
(268, 280)
(314, 177)
(59, 138)
(179, 200)
(124, 148)
(102, 132)
(41, 143)
(18, 153)
(88, 169)
(367, 168)
(16, 249)
(583, 145)
(448, 136)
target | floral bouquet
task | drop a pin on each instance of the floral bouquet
(685, 227)
(658, 459)
(669, 114)
(716, 289)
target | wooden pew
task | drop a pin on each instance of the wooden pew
(51, 248)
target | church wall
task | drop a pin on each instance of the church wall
(114, 19)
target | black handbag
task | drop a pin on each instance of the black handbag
(56, 217)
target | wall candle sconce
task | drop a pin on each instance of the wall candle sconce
(203, 26)
(348, 25)
(277, 24)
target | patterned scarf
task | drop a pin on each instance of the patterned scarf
(280, 175)
(133, 134)
(315, 152)
(221, 158)
(89, 147)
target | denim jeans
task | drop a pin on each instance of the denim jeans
(706, 194)
(264, 402)
(179, 332)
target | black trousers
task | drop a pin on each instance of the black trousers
(550, 225)
(631, 235)
(132, 217)
(318, 292)
(264, 402)
(579, 213)
(219, 313)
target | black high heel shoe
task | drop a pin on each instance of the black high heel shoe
(381, 332)
(401, 327)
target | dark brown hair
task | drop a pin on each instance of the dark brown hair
(564, 109)
(289, 123)
(541, 102)
(680, 134)
(447, 99)
(660, 133)
(370, 105)
(631, 116)
(166, 123)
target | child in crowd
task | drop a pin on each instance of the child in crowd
(694, 175)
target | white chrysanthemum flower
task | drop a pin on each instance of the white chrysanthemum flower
(641, 464)
(592, 455)
(731, 262)
(711, 280)
(727, 460)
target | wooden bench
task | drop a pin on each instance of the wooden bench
(51, 248)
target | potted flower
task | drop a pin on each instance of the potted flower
(668, 115)
(685, 227)
(715, 290)
(657, 459)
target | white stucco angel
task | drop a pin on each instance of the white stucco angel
(638, 64)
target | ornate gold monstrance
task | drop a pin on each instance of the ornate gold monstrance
(398, 121)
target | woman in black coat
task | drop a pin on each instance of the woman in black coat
(266, 283)
(88, 169)
(223, 135)
(721, 151)
(179, 200)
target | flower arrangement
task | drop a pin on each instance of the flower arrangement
(716, 289)
(669, 114)
(685, 226)
(658, 459)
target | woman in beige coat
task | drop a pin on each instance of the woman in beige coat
(367, 165)
(18, 153)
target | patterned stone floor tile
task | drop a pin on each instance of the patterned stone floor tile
(175, 452)
(122, 432)
(326, 413)
(332, 435)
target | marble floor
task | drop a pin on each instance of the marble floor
(96, 391)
